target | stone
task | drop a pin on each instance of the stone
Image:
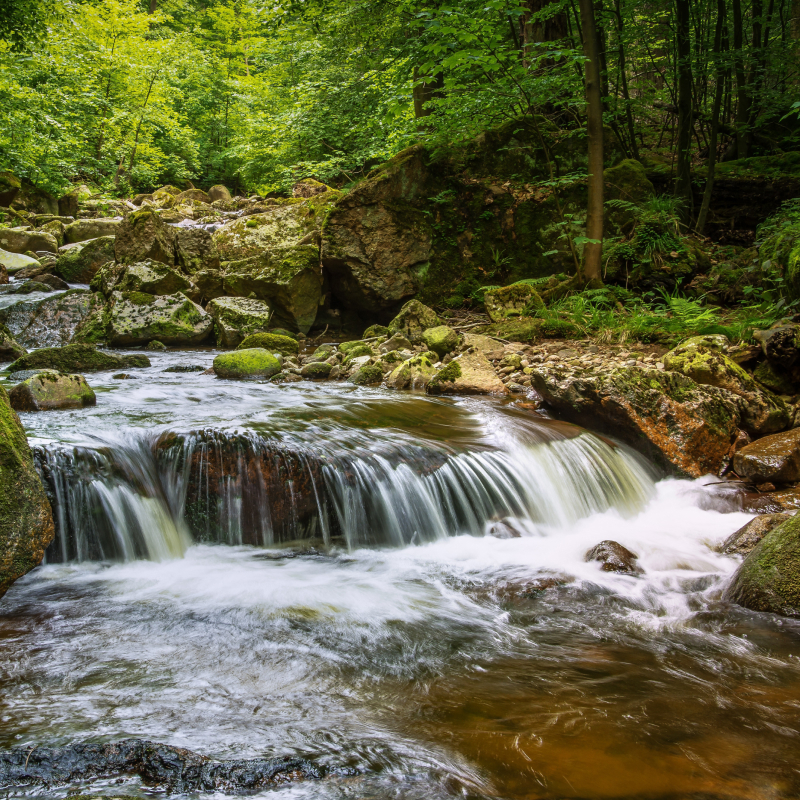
(614, 558)
(761, 411)
(441, 339)
(195, 251)
(251, 364)
(769, 578)
(628, 181)
(773, 458)
(84, 229)
(274, 342)
(137, 318)
(288, 278)
(774, 378)
(415, 373)
(413, 319)
(309, 188)
(156, 346)
(359, 351)
(236, 318)
(56, 229)
(209, 283)
(682, 426)
(468, 373)
(284, 225)
(16, 262)
(375, 331)
(481, 343)
(75, 358)
(194, 195)
(52, 321)
(79, 263)
(218, 192)
(743, 541)
(779, 344)
(397, 342)
(144, 235)
(68, 205)
(26, 520)
(10, 350)
(316, 370)
(10, 185)
(14, 240)
(366, 375)
(54, 282)
(152, 277)
(511, 301)
(49, 391)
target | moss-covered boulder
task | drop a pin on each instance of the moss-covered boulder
(84, 229)
(358, 351)
(252, 364)
(769, 578)
(195, 251)
(442, 339)
(511, 301)
(75, 358)
(367, 375)
(79, 263)
(761, 411)
(275, 343)
(375, 331)
(628, 181)
(10, 349)
(26, 521)
(743, 541)
(414, 318)
(469, 373)
(236, 318)
(144, 235)
(137, 318)
(288, 278)
(16, 262)
(316, 370)
(152, 277)
(218, 192)
(49, 391)
(415, 373)
(23, 241)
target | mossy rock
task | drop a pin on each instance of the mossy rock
(414, 318)
(375, 331)
(77, 358)
(357, 352)
(81, 262)
(274, 342)
(769, 578)
(49, 391)
(316, 370)
(136, 318)
(774, 378)
(156, 346)
(511, 301)
(236, 318)
(346, 347)
(415, 373)
(152, 277)
(367, 375)
(10, 349)
(254, 363)
(628, 181)
(442, 339)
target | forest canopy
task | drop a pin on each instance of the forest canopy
(128, 95)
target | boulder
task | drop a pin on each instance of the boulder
(52, 321)
(761, 411)
(413, 319)
(614, 558)
(79, 263)
(56, 229)
(235, 318)
(511, 301)
(14, 240)
(251, 364)
(54, 282)
(779, 344)
(136, 318)
(743, 541)
(289, 279)
(26, 521)
(16, 262)
(628, 181)
(156, 346)
(316, 370)
(469, 373)
(769, 578)
(209, 283)
(74, 358)
(398, 341)
(49, 391)
(367, 375)
(142, 235)
(285, 225)
(274, 342)
(774, 378)
(682, 426)
(218, 192)
(194, 195)
(309, 188)
(10, 350)
(84, 229)
(441, 339)
(415, 373)
(3, 276)
(195, 251)
(152, 277)
(773, 459)
(375, 331)
(68, 204)
(35, 200)
(481, 343)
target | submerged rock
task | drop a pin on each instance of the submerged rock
(26, 521)
(773, 458)
(48, 391)
(236, 318)
(769, 578)
(743, 541)
(469, 373)
(251, 364)
(614, 558)
(274, 342)
(137, 318)
(76, 358)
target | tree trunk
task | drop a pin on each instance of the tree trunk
(683, 176)
(532, 30)
(425, 91)
(719, 33)
(624, 81)
(593, 250)
(743, 96)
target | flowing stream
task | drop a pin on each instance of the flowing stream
(391, 583)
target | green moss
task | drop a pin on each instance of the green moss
(357, 352)
(74, 358)
(441, 339)
(773, 379)
(346, 347)
(275, 343)
(376, 330)
(139, 298)
(250, 364)
(368, 374)
(450, 373)
(316, 370)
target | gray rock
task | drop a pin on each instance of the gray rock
(614, 558)
(743, 541)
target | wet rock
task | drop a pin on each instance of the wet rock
(52, 321)
(195, 251)
(16, 262)
(414, 318)
(503, 530)
(156, 346)
(137, 318)
(415, 373)
(29, 287)
(84, 229)
(367, 375)
(779, 344)
(769, 578)
(614, 558)
(251, 364)
(236, 318)
(144, 235)
(468, 373)
(761, 411)
(171, 768)
(743, 541)
(14, 240)
(511, 301)
(274, 342)
(123, 376)
(79, 263)
(665, 415)
(26, 521)
(10, 349)
(218, 192)
(54, 282)
(152, 277)
(316, 370)
(49, 391)
(774, 458)
(74, 358)
(774, 378)
(186, 368)
(442, 340)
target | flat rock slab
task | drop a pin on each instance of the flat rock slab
(774, 458)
